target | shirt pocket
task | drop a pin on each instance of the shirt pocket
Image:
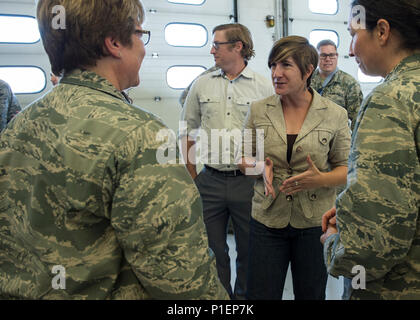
(243, 104)
(324, 138)
(209, 106)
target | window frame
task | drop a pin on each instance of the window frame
(21, 16)
(183, 65)
(27, 66)
(187, 23)
(330, 30)
(326, 14)
(186, 3)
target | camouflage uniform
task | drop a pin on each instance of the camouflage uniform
(343, 89)
(378, 213)
(80, 187)
(9, 105)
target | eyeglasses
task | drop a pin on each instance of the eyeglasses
(332, 56)
(143, 35)
(216, 45)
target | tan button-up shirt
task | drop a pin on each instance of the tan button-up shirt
(218, 106)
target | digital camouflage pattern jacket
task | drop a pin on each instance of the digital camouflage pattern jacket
(80, 188)
(343, 89)
(378, 212)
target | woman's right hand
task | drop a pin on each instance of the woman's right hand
(328, 218)
(268, 175)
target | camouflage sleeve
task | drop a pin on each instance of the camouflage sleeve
(377, 213)
(14, 108)
(157, 215)
(353, 100)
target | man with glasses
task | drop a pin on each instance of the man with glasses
(220, 100)
(334, 83)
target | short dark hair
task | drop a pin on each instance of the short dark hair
(301, 51)
(238, 32)
(81, 43)
(326, 42)
(402, 15)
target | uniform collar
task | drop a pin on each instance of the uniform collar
(409, 63)
(330, 78)
(94, 81)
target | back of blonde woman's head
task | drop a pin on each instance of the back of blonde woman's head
(77, 40)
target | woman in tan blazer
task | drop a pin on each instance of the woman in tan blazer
(306, 147)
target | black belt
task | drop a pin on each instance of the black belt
(231, 173)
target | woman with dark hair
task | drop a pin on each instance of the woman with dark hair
(374, 231)
(306, 144)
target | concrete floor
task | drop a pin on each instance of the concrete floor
(334, 286)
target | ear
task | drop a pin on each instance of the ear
(239, 45)
(383, 31)
(309, 71)
(113, 47)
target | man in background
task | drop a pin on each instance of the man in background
(335, 84)
(220, 100)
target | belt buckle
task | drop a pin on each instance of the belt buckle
(234, 173)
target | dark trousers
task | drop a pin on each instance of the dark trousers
(224, 197)
(270, 252)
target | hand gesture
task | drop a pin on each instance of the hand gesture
(329, 224)
(268, 175)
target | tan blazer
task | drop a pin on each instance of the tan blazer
(325, 136)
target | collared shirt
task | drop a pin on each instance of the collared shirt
(218, 106)
(81, 188)
(9, 105)
(341, 88)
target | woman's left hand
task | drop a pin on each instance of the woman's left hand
(310, 179)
